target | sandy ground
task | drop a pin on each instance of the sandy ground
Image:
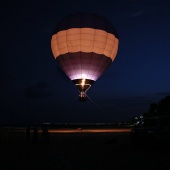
(80, 151)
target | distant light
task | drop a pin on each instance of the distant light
(46, 123)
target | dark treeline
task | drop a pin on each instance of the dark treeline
(161, 108)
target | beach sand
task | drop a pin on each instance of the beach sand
(79, 151)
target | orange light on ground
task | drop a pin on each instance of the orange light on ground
(116, 130)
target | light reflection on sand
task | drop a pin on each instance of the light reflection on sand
(88, 130)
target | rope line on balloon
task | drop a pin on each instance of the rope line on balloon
(76, 99)
(98, 106)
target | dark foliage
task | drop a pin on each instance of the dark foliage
(161, 108)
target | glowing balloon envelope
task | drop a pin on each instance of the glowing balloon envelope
(84, 45)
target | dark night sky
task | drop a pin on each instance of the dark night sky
(34, 89)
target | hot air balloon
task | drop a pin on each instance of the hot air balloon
(84, 45)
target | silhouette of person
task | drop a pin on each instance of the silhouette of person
(35, 135)
(43, 136)
(28, 132)
(0, 137)
(47, 137)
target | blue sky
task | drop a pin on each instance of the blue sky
(34, 89)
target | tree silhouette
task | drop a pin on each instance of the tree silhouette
(161, 108)
(164, 106)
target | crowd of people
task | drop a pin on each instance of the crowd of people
(34, 136)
